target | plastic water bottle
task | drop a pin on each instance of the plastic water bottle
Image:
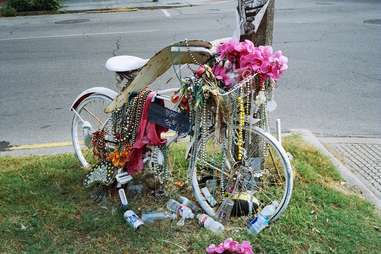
(262, 220)
(86, 127)
(173, 205)
(183, 211)
(211, 184)
(211, 200)
(185, 201)
(151, 217)
(123, 199)
(225, 210)
(210, 224)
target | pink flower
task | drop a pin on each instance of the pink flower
(278, 65)
(220, 248)
(227, 50)
(245, 73)
(233, 50)
(200, 71)
(231, 245)
(246, 248)
(211, 249)
(245, 47)
(221, 74)
(267, 51)
(257, 60)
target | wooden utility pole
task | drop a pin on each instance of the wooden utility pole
(259, 22)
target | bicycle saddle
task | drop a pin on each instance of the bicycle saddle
(125, 63)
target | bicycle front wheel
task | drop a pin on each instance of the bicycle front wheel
(89, 118)
(248, 185)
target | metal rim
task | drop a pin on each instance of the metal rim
(286, 165)
(75, 126)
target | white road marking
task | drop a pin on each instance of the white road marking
(76, 35)
(166, 13)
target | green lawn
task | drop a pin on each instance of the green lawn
(43, 208)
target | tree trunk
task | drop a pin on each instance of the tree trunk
(264, 33)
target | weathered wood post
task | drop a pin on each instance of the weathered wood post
(256, 24)
(259, 21)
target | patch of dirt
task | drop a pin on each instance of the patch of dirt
(344, 188)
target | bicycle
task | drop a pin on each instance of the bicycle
(244, 168)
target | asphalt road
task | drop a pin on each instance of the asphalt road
(332, 86)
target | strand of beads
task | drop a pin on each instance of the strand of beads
(223, 165)
(141, 101)
(132, 116)
(165, 164)
(204, 127)
(240, 127)
(248, 95)
(196, 133)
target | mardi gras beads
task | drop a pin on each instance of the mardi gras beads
(240, 127)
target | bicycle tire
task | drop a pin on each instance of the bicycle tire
(286, 165)
(75, 126)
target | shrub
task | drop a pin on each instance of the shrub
(34, 5)
(46, 5)
(7, 11)
(20, 5)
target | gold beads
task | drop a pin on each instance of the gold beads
(240, 128)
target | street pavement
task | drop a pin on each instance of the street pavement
(83, 5)
(332, 86)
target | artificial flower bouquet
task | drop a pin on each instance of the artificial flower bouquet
(229, 246)
(237, 61)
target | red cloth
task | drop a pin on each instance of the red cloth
(148, 134)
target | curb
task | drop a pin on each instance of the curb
(347, 175)
(101, 10)
(127, 9)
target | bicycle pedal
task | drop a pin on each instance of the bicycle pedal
(123, 178)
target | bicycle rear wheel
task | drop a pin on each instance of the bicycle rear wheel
(251, 183)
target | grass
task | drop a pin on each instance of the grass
(43, 208)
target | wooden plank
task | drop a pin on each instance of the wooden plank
(159, 64)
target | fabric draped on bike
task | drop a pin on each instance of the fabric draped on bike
(148, 133)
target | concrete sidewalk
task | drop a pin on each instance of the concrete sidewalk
(358, 160)
(362, 156)
(85, 5)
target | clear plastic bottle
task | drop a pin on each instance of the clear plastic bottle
(225, 210)
(185, 201)
(183, 211)
(173, 205)
(262, 220)
(123, 199)
(211, 184)
(150, 217)
(209, 197)
(210, 224)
